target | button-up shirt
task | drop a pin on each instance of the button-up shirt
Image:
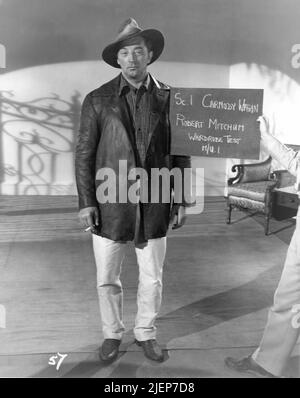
(138, 101)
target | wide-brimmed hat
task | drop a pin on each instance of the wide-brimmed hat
(128, 30)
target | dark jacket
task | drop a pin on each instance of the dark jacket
(106, 136)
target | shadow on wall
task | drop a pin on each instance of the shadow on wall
(39, 141)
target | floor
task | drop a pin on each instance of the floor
(219, 281)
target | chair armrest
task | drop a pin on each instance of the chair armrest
(277, 174)
(236, 168)
(251, 172)
(284, 178)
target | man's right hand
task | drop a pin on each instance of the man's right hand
(89, 216)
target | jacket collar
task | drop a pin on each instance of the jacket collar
(159, 85)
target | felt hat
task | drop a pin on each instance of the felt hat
(129, 30)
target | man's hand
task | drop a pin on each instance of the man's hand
(89, 216)
(178, 216)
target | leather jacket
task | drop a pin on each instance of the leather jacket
(106, 136)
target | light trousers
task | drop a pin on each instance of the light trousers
(283, 326)
(109, 256)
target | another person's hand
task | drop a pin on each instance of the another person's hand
(89, 216)
(178, 216)
(263, 124)
(266, 126)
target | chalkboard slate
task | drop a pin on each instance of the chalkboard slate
(215, 122)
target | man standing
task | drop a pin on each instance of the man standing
(126, 122)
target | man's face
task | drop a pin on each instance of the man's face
(133, 59)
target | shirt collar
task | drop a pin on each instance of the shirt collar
(125, 84)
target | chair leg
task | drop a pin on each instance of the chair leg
(267, 221)
(229, 206)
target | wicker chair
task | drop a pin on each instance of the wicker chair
(252, 189)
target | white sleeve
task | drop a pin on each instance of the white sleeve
(287, 157)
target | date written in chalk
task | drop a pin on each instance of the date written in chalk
(152, 388)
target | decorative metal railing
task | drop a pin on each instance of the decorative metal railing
(37, 140)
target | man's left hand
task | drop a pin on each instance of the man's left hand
(178, 216)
